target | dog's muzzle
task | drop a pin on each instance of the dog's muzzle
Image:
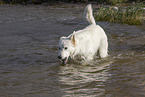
(64, 61)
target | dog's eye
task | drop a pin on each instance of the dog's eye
(66, 48)
(59, 48)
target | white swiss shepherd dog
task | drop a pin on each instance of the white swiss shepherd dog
(84, 43)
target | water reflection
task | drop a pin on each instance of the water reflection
(85, 79)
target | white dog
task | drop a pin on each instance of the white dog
(86, 42)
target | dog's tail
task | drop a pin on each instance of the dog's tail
(88, 13)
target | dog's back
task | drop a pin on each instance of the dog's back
(92, 38)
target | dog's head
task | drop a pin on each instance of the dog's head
(66, 47)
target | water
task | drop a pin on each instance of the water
(28, 56)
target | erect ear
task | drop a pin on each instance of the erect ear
(62, 37)
(73, 38)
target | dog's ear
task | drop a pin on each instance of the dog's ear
(63, 37)
(73, 38)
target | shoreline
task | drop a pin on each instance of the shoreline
(96, 7)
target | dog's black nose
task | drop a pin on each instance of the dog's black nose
(59, 57)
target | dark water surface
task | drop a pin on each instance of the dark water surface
(28, 56)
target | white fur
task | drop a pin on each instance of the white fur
(86, 42)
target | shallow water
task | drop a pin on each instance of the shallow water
(28, 56)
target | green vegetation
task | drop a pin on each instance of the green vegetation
(116, 1)
(132, 15)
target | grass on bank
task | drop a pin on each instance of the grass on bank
(132, 15)
(114, 2)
